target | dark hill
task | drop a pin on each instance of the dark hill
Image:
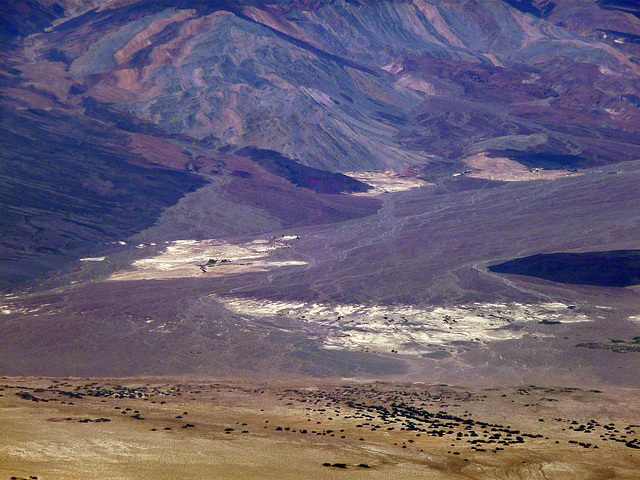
(618, 268)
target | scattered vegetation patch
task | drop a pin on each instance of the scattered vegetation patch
(616, 347)
(335, 465)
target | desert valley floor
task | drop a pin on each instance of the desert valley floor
(327, 370)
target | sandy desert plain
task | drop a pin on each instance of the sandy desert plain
(144, 428)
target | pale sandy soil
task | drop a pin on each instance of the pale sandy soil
(386, 182)
(249, 429)
(506, 170)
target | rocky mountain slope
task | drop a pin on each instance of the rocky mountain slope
(418, 87)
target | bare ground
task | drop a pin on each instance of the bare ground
(186, 428)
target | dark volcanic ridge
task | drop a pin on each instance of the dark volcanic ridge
(616, 268)
(319, 181)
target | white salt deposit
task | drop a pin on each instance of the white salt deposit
(386, 182)
(409, 329)
(92, 259)
(190, 258)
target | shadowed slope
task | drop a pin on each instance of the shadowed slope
(69, 190)
(618, 268)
